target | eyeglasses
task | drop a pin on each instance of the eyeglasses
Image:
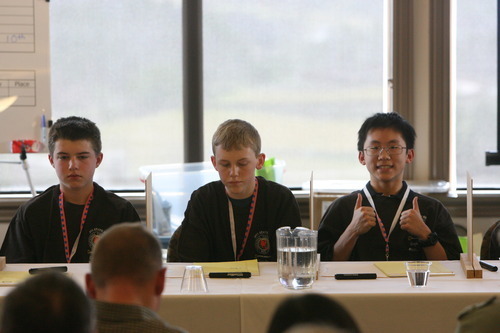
(377, 150)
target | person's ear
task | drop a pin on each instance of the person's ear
(361, 157)
(90, 286)
(410, 155)
(261, 158)
(160, 281)
(214, 162)
(51, 160)
(100, 156)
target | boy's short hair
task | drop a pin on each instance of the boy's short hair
(236, 134)
(387, 120)
(75, 128)
(126, 250)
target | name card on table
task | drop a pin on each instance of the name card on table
(251, 266)
(398, 268)
(8, 278)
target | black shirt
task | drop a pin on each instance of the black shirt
(206, 232)
(35, 234)
(371, 245)
(241, 210)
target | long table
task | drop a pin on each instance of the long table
(381, 305)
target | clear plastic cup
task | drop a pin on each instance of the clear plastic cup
(418, 273)
(193, 280)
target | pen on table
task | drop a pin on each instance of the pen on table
(44, 129)
(487, 266)
(356, 276)
(230, 275)
(61, 269)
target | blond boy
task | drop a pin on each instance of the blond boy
(236, 217)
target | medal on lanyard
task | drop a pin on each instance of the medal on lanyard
(394, 221)
(69, 255)
(249, 223)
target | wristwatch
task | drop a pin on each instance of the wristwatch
(431, 240)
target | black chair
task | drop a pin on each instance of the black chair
(172, 253)
(488, 251)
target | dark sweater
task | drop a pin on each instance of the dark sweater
(206, 232)
(35, 234)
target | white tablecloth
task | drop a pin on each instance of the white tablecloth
(381, 305)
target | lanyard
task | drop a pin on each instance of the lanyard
(249, 223)
(394, 221)
(65, 229)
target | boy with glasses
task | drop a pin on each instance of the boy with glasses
(386, 220)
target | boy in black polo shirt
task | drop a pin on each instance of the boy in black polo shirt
(236, 218)
(386, 220)
(63, 223)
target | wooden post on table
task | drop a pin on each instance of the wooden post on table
(471, 267)
(470, 264)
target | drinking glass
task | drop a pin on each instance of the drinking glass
(193, 280)
(418, 273)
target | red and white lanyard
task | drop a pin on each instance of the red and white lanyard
(249, 223)
(394, 221)
(69, 255)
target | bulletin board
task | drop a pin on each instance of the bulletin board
(25, 72)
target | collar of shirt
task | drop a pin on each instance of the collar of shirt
(398, 195)
(241, 202)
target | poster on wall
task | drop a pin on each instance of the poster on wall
(24, 75)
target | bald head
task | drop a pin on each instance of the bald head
(126, 251)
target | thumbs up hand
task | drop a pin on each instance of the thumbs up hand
(412, 221)
(363, 218)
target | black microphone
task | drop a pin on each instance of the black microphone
(23, 153)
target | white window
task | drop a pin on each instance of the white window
(305, 73)
(476, 91)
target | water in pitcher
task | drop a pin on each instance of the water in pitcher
(297, 267)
